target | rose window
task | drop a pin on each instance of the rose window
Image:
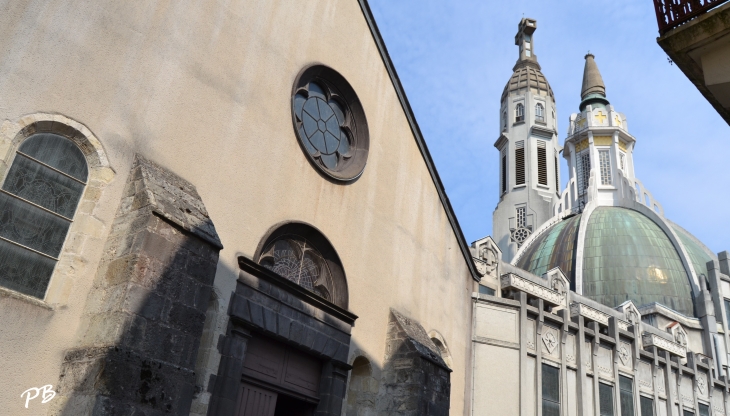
(519, 235)
(321, 123)
(330, 123)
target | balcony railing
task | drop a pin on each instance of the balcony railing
(672, 13)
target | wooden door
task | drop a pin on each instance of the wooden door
(255, 401)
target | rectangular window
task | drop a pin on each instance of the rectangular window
(520, 162)
(521, 217)
(605, 399)
(626, 387)
(550, 391)
(727, 311)
(486, 290)
(504, 171)
(604, 160)
(647, 406)
(704, 409)
(542, 175)
(584, 170)
(688, 413)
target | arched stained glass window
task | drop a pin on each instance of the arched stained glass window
(519, 113)
(38, 200)
(301, 254)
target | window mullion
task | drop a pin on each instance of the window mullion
(35, 205)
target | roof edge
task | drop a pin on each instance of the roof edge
(410, 116)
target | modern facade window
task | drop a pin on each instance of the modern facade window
(605, 399)
(503, 172)
(37, 204)
(330, 123)
(550, 390)
(604, 162)
(521, 217)
(520, 162)
(542, 170)
(539, 113)
(626, 389)
(301, 254)
(686, 412)
(647, 406)
(704, 410)
(727, 310)
(583, 170)
(519, 113)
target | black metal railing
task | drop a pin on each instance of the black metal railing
(672, 13)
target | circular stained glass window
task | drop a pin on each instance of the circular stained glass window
(330, 123)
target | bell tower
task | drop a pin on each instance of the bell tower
(529, 180)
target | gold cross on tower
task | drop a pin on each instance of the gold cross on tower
(601, 117)
(618, 121)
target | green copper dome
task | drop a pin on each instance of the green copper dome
(626, 256)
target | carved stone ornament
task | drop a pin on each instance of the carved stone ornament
(624, 355)
(653, 340)
(548, 338)
(701, 384)
(579, 309)
(512, 281)
(559, 286)
(488, 264)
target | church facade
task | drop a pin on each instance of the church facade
(221, 208)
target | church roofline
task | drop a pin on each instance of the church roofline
(410, 116)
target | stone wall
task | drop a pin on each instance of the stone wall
(146, 310)
(416, 379)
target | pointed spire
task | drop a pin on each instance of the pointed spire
(592, 80)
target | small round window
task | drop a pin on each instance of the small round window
(330, 123)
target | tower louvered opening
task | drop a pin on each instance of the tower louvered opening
(520, 163)
(542, 175)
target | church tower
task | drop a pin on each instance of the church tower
(529, 179)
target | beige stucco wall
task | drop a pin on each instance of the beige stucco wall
(203, 88)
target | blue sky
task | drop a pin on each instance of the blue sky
(455, 57)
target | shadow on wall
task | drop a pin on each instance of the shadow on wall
(146, 311)
(415, 379)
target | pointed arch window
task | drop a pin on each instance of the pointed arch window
(38, 200)
(519, 113)
(539, 113)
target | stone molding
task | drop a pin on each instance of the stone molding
(512, 281)
(580, 309)
(653, 340)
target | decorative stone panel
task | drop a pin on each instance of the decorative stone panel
(625, 356)
(530, 328)
(645, 380)
(570, 353)
(145, 313)
(550, 342)
(653, 340)
(512, 281)
(579, 309)
(605, 362)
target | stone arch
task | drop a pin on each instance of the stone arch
(87, 230)
(362, 390)
(440, 343)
